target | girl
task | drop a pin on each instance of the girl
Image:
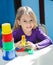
(26, 24)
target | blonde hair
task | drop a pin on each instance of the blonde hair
(20, 12)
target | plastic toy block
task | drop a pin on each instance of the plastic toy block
(29, 51)
(6, 28)
(26, 50)
(7, 37)
(17, 48)
(20, 50)
(8, 42)
(23, 40)
(9, 55)
(8, 46)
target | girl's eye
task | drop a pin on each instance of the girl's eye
(24, 21)
(30, 20)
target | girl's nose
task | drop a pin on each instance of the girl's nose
(28, 23)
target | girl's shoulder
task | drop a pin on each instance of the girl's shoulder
(17, 30)
(37, 28)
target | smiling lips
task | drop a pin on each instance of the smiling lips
(29, 27)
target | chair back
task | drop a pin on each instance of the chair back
(43, 28)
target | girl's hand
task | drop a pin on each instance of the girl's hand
(30, 45)
(18, 44)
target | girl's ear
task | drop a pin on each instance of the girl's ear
(18, 22)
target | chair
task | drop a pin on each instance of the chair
(43, 28)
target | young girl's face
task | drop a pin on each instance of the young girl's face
(26, 22)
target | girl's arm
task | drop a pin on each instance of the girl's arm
(18, 44)
(45, 40)
(15, 35)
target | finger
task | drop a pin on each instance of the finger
(28, 42)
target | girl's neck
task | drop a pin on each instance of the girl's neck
(28, 33)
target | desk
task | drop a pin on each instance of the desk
(40, 57)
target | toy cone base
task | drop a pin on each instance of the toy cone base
(9, 55)
(8, 59)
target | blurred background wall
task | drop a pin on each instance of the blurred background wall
(49, 16)
(8, 11)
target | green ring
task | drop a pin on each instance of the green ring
(8, 45)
